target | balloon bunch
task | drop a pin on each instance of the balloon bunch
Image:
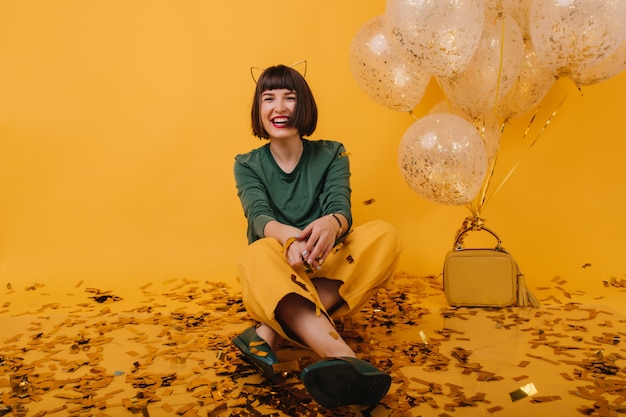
(494, 60)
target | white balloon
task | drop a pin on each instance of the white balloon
(488, 126)
(569, 35)
(381, 70)
(603, 70)
(517, 9)
(440, 36)
(531, 86)
(491, 72)
(443, 159)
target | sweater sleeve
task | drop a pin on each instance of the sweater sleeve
(254, 200)
(335, 196)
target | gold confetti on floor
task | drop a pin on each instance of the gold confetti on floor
(96, 353)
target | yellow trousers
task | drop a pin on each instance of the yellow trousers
(364, 263)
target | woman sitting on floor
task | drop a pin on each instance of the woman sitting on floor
(305, 264)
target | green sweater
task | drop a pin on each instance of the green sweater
(319, 185)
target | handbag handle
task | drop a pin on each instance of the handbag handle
(458, 245)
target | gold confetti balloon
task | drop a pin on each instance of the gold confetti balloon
(492, 70)
(382, 72)
(517, 9)
(570, 35)
(488, 125)
(531, 86)
(443, 159)
(603, 70)
(440, 36)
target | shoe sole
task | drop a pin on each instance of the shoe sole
(342, 384)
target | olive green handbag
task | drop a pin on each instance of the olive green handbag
(484, 277)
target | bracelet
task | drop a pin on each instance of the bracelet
(288, 243)
(338, 221)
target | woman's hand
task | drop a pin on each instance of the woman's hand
(316, 241)
(309, 247)
(297, 254)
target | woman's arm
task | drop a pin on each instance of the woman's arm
(322, 234)
(257, 208)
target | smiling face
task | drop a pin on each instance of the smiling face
(277, 108)
(282, 102)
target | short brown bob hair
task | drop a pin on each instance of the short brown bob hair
(304, 116)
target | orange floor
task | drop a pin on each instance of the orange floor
(163, 349)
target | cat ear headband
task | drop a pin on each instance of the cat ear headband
(256, 71)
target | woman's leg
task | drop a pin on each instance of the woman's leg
(265, 280)
(298, 315)
(268, 334)
(328, 293)
(363, 264)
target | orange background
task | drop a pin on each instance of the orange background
(119, 121)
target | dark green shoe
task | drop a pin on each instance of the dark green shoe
(338, 382)
(257, 351)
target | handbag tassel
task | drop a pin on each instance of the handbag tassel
(525, 297)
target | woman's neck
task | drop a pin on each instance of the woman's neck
(286, 153)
